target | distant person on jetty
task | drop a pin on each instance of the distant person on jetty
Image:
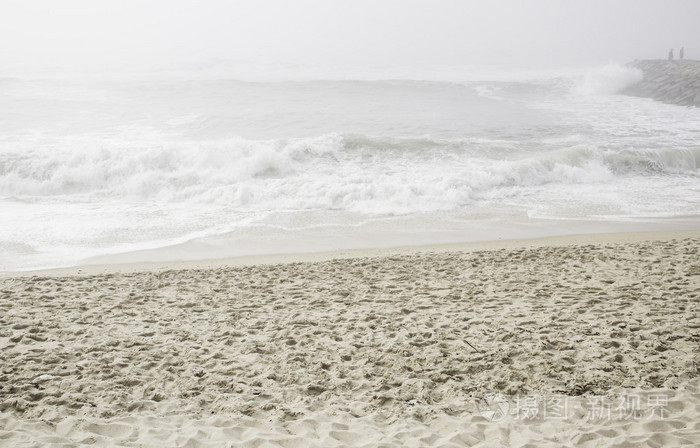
(670, 54)
(680, 54)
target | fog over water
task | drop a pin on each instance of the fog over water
(165, 130)
(362, 35)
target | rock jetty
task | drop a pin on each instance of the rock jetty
(674, 82)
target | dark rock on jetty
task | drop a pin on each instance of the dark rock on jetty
(674, 82)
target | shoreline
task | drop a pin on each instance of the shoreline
(312, 257)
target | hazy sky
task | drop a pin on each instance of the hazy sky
(79, 34)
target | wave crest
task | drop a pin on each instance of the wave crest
(348, 172)
(609, 79)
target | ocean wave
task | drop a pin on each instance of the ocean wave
(611, 78)
(604, 80)
(347, 172)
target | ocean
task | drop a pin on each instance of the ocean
(165, 166)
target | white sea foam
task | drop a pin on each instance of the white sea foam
(104, 167)
(609, 79)
(352, 173)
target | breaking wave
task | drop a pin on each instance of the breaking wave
(340, 172)
(605, 80)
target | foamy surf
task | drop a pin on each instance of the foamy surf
(92, 168)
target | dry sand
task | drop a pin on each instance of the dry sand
(589, 344)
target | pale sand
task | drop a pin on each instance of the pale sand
(395, 350)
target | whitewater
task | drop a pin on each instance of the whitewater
(181, 167)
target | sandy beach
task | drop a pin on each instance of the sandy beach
(349, 224)
(590, 341)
